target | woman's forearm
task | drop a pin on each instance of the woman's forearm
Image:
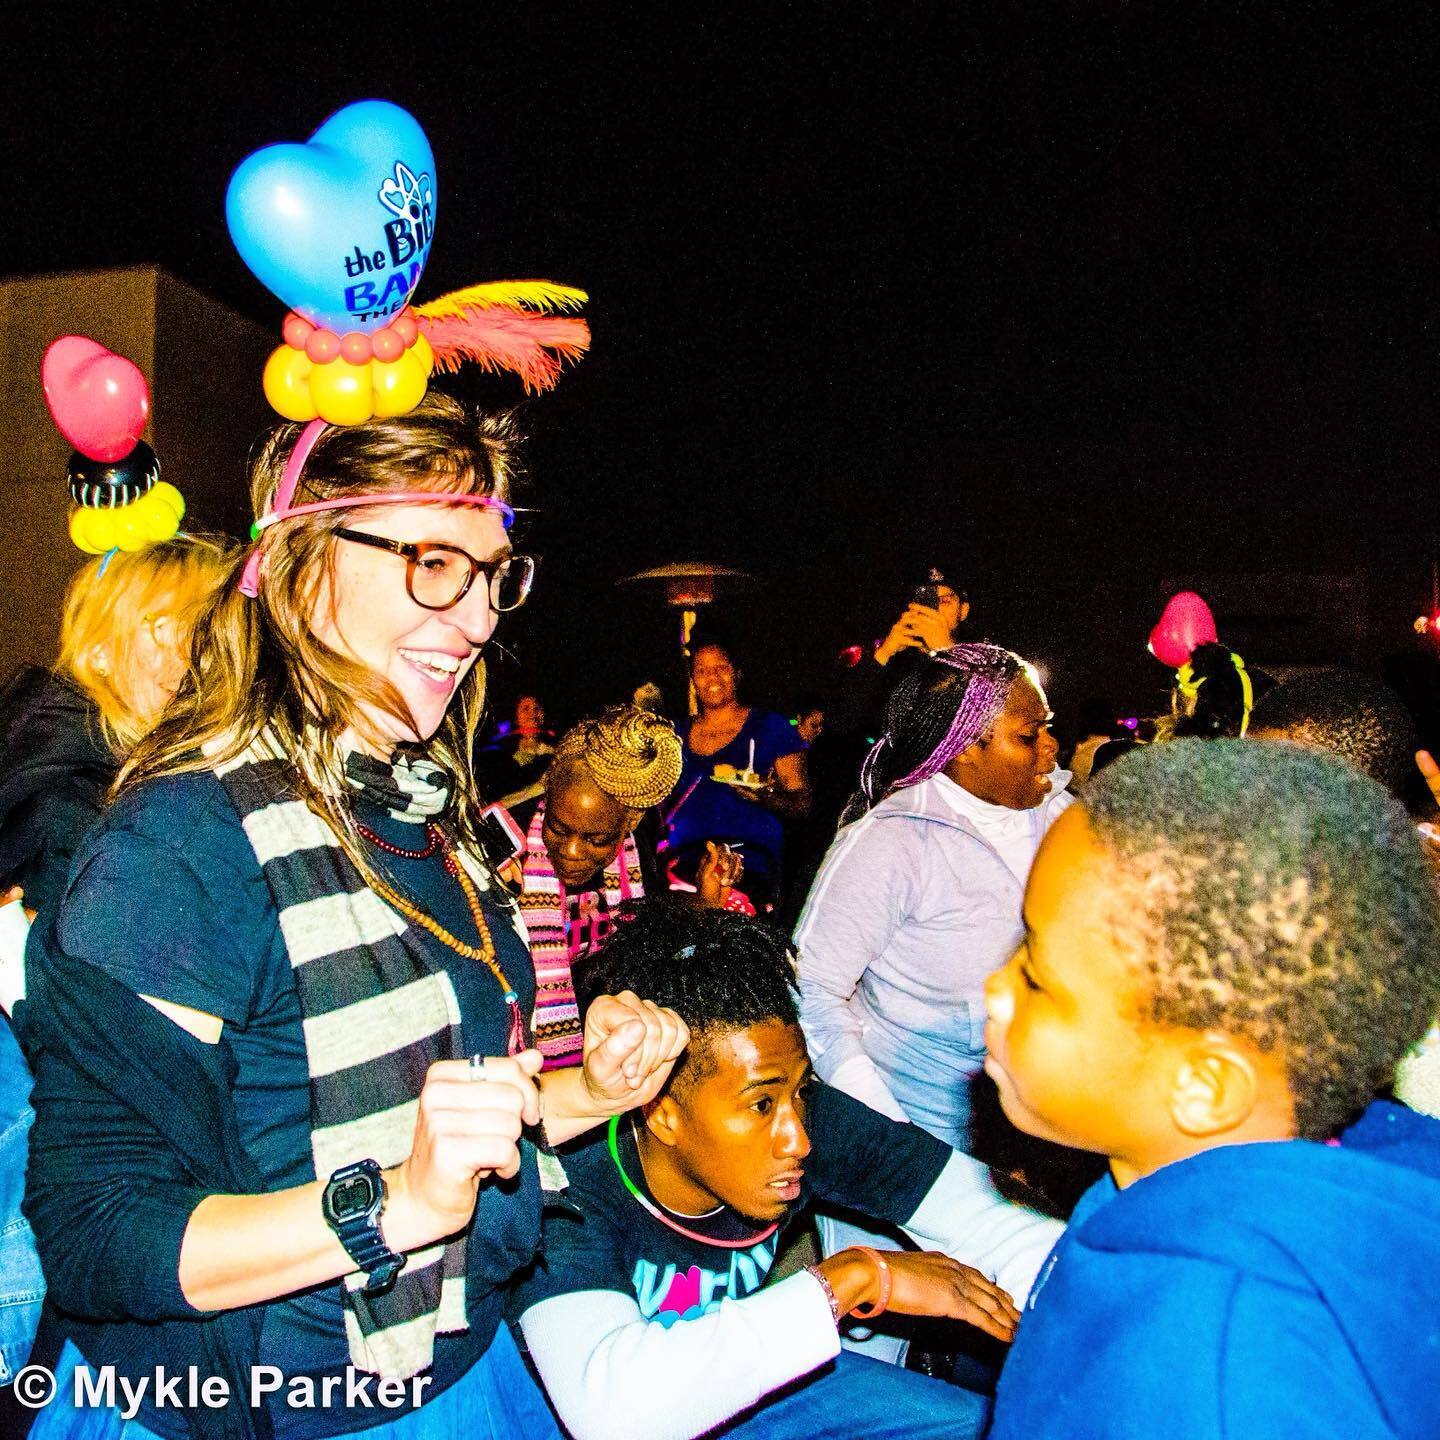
(249, 1249)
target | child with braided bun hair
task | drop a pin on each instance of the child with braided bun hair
(583, 863)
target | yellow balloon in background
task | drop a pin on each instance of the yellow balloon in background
(164, 493)
(102, 530)
(399, 384)
(157, 519)
(287, 383)
(80, 531)
(151, 519)
(423, 353)
(129, 529)
(342, 392)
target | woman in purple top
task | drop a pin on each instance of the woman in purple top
(745, 816)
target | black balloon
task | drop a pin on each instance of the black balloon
(102, 485)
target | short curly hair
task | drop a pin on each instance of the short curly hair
(1355, 715)
(716, 969)
(1282, 897)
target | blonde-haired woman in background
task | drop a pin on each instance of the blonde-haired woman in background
(124, 645)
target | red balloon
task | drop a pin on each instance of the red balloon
(388, 345)
(355, 347)
(99, 400)
(1185, 623)
(405, 327)
(296, 330)
(322, 346)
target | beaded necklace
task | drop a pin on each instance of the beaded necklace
(518, 1039)
(380, 844)
(612, 1137)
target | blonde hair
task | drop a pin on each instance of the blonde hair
(259, 668)
(109, 600)
(633, 755)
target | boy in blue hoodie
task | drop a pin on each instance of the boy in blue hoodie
(1228, 947)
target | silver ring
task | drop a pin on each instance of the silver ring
(477, 1067)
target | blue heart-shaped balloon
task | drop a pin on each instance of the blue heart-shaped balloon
(339, 227)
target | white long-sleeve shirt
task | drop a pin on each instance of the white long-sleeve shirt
(642, 1349)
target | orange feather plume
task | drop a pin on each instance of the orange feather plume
(477, 326)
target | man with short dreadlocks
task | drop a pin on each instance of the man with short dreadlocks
(650, 1318)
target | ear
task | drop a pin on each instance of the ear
(964, 611)
(1216, 1088)
(971, 756)
(98, 660)
(663, 1120)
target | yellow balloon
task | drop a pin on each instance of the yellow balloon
(342, 392)
(423, 353)
(101, 530)
(399, 384)
(287, 383)
(157, 519)
(164, 494)
(80, 530)
(129, 529)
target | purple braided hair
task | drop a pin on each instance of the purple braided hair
(992, 673)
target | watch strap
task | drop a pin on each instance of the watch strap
(361, 1235)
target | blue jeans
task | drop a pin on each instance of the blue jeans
(855, 1398)
(496, 1400)
(22, 1286)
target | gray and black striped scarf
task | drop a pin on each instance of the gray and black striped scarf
(376, 1013)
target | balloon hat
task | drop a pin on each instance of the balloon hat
(100, 403)
(339, 228)
(1185, 623)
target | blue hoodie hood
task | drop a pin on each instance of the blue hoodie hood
(1254, 1290)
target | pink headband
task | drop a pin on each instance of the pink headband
(282, 509)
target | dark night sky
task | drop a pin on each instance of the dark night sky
(1067, 298)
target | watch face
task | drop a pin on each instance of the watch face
(353, 1197)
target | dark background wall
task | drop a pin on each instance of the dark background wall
(1077, 300)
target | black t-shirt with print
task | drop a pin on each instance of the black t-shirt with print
(602, 1238)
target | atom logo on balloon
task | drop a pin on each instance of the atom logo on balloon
(410, 199)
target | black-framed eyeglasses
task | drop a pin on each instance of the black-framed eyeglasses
(438, 576)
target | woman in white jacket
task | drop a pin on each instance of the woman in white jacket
(919, 897)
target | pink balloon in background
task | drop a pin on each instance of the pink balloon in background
(1185, 623)
(99, 400)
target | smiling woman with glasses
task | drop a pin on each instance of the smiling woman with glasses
(341, 1179)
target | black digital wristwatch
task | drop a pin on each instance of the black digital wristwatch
(353, 1201)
